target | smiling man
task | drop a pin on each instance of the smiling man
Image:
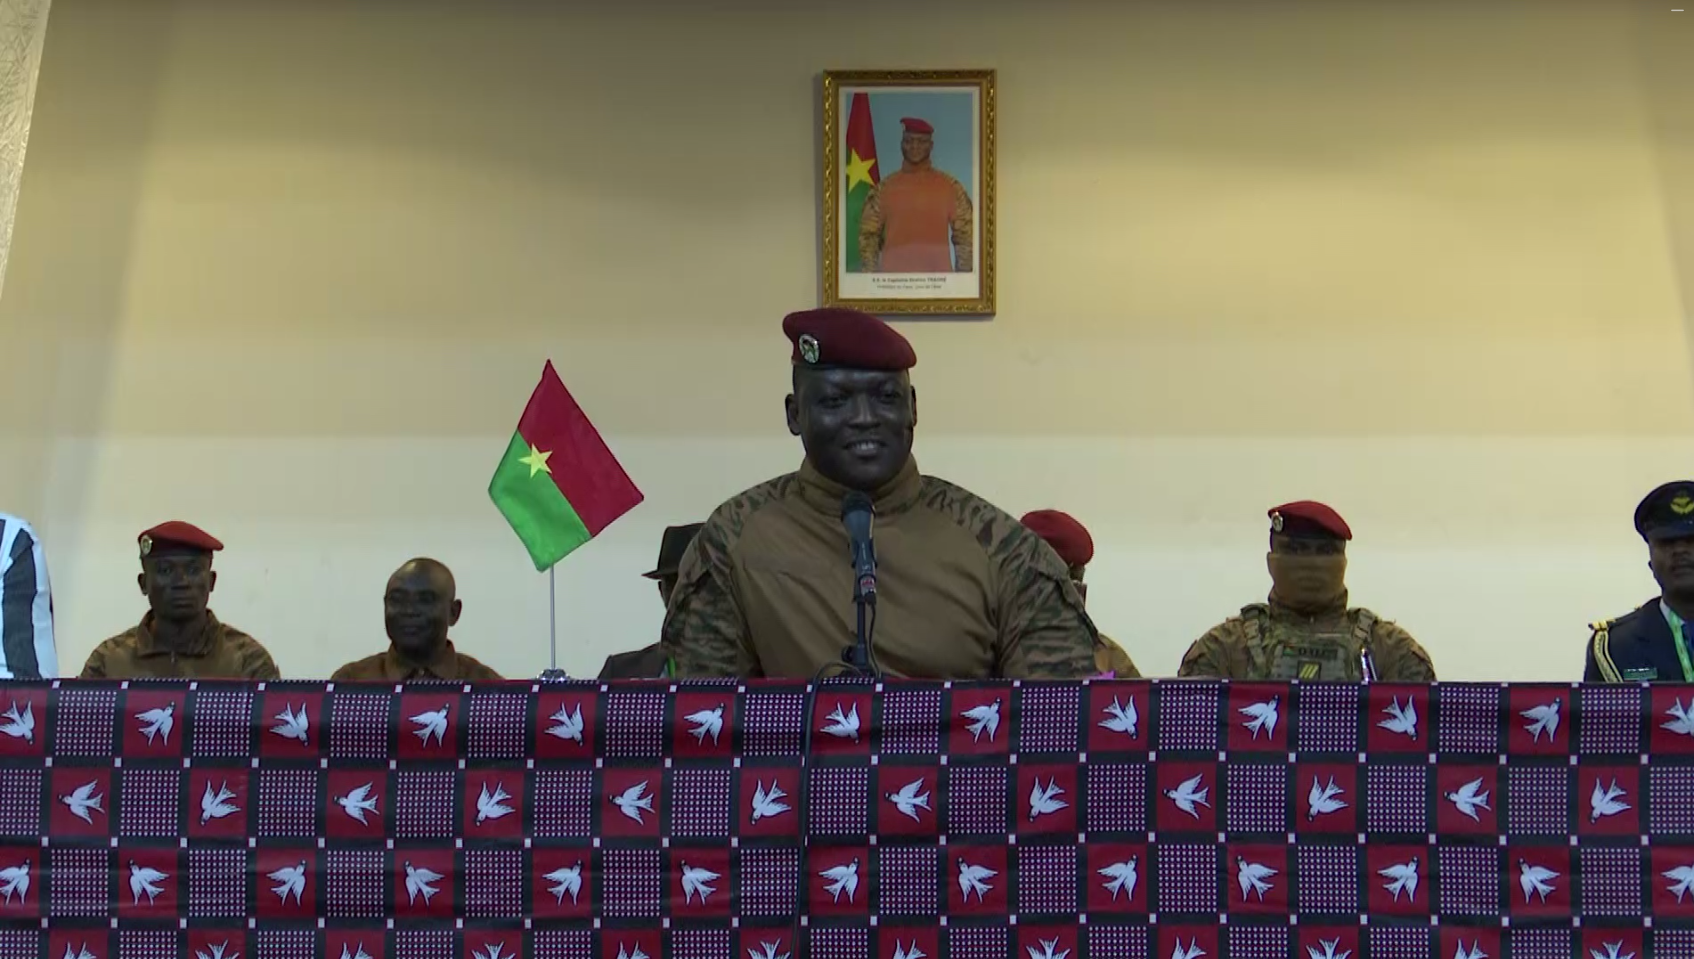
(1652, 643)
(418, 608)
(964, 590)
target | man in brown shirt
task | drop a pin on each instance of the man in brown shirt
(1070, 540)
(649, 661)
(418, 608)
(179, 637)
(964, 590)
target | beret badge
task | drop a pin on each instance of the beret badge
(809, 348)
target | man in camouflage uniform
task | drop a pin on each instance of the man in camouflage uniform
(179, 637)
(1652, 642)
(964, 590)
(1075, 548)
(918, 219)
(419, 606)
(649, 661)
(1306, 631)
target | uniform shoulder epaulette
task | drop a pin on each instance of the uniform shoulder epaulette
(1602, 626)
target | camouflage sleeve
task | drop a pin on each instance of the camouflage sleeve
(1399, 658)
(254, 662)
(705, 633)
(1209, 657)
(95, 667)
(964, 234)
(1044, 631)
(1109, 657)
(870, 232)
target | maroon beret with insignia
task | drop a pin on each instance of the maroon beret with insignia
(1309, 519)
(1068, 537)
(915, 125)
(846, 339)
(179, 535)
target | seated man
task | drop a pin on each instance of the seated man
(1650, 643)
(1307, 631)
(650, 661)
(179, 637)
(26, 605)
(964, 590)
(418, 608)
(1075, 547)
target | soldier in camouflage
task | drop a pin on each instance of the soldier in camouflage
(964, 590)
(1306, 631)
(918, 219)
(1075, 548)
(179, 637)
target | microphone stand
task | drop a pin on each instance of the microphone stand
(858, 656)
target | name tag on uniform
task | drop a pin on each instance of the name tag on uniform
(1310, 669)
(1320, 654)
(1640, 674)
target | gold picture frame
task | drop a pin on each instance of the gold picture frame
(894, 241)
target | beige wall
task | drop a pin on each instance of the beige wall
(290, 270)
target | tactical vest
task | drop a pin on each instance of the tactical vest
(1268, 659)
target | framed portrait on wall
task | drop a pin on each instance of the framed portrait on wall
(908, 191)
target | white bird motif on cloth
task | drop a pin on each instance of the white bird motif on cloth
(291, 881)
(567, 879)
(216, 805)
(1047, 950)
(1470, 797)
(1535, 880)
(218, 951)
(14, 881)
(144, 881)
(292, 725)
(83, 953)
(495, 950)
(359, 954)
(1121, 718)
(1192, 952)
(1474, 952)
(1187, 794)
(1261, 717)
(768, 950)
(1401, 878)
(1323, 799)
(19, 725)
(633, 800)
(843, 725)
(1681, 722)
(974, 879)
(1542, 719)
(419, 882)
(984, 718)
(637, 954)
(157, 722)
(707, 722)
(1121, 877)
(1401, 719)
(768, 803)
(1253, 878)
(1045, 800)
(1329, 947)
(694, 880)
(492, 805)
(82, 799)
(843, 878)
(1614, 950)
(908, 800)
(566, 725)
(1606, 802)
(358, 802)
(1682, 880)
(912, 953)
(432, 725)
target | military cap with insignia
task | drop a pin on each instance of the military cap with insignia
(1068, 537)
(671, 547)
(1667, 512)
(1307, 519)
(835, 338)
(177, 536)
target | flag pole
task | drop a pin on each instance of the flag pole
(552, 619)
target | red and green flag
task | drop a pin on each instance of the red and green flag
(862, 174)
(558, 484)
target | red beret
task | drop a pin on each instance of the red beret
(1307, 518)
(846, 338)
(914, 125)
(179, 534)
(1068, 538)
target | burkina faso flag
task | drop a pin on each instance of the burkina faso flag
(862, 174)
(558, 484)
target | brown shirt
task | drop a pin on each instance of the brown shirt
(1272, 642)
(448, 664)
(218, 652)
(964, 591)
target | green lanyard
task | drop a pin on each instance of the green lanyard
(1681, 647)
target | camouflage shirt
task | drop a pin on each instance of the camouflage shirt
(391, 666)
(1109, 657)
(219, 652)
(964, 591)
(1272, 642)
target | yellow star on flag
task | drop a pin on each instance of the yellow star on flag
(536, 461)
(858, 170)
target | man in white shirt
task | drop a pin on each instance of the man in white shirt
(26, 605)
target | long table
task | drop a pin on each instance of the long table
(913, 820)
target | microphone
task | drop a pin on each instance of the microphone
(858, 515)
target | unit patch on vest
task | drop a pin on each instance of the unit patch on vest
(1322, 654)
(1309, 669)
